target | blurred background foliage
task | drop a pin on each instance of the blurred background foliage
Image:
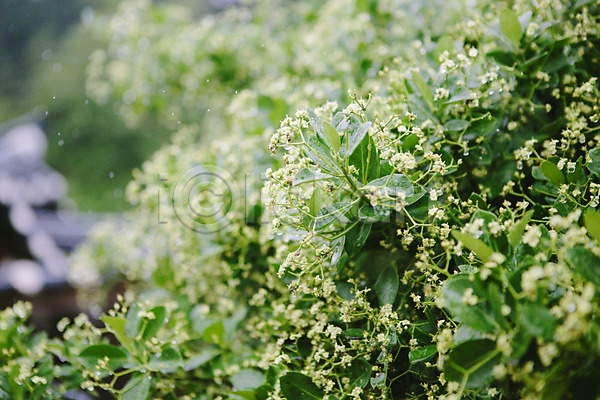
(44, 51)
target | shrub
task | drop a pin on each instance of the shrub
(435, 238)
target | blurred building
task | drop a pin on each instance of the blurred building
(35, 235)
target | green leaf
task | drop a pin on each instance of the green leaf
(153, 325)
(511, 27)
(329, 214)
(482, 250)
(422, 354)
(474, 316)
(137, 388)
(386, 286)
(456, 125)
(116, 325)
(297, 386)
(537, 320)
(215, 333)
(393, 185)
(461, 93)
(91, 354)
(586, 263)
(246, 379)
(379, 381)
(444, 43)
(551, 171)
(338, 248)
(516, 233)
(592, 224)
(353, 138)
(423, 88)
(200, 359)
(473, 361)
(243, 395)
(410, 142)
(317, 199)
(306, 175)
(320, 153)
(315, 121)
(594, 165)
(360, 373)
(331, 137)
(368, 214)
(168, 361)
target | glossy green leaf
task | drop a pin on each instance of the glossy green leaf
(154, 324)
(331, 137)
(585, 263)
(116, 325)
(329, 214)
(386, 286)
(551, 171)
(423, 88)
(168, 361)
(320, 153)
(422, 354)
(591, 220)
(444, 43)
(394, 185)
(317, 199)
(516, 233)
(511, 27)
(352, 139)
(482, 250)
(410, 142)
(297, 386)
(247, 379)
(378, 381)
(594, 164)
(461, 93)
(360, 373)
(200, 359)
(116, 355)
(474, 316)
(456, 125)
(215, 333)
(472, 361)
(338, 248)
(137, 388)
(306, 175)
(315, 121)
(537, 320)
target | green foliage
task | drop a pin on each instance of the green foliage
(435, 238)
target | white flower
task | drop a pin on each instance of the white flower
(532, 235)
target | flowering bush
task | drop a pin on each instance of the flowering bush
(435, 238)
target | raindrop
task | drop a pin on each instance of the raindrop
(58, 133)
(466, 152)
(172, 114)
(208, 110)
(208, 80)
(236, 92)
(519, 165)
(53, 97)
(111, 174)
(61, 142)
(86, 101)
(178, 122)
